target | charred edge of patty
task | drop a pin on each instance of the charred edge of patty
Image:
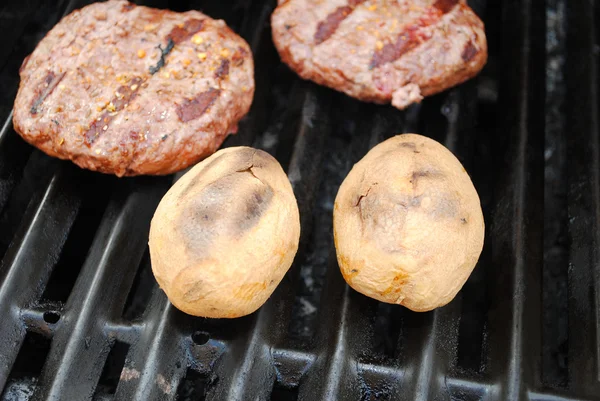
(163, 55)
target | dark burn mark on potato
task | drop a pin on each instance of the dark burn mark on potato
(326, 28)
(424, 173)
(417, 175)
(227, 208)
(469, 52)
(192, 109)
(223, 69)
(198, 176)
(189, 28)
(445, 6)
(44, 89)
(124, 95)
(383, 214)
(413, 35)
(254, 207)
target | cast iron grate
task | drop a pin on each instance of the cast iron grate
(83, 318)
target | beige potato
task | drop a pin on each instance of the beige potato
(225, 234)
(407, 223)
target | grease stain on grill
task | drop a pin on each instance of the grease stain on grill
(113, 370)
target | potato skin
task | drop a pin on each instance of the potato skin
(225, 234)
(408, 225)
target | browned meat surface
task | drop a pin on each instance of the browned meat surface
(381, 51)
(133, 90)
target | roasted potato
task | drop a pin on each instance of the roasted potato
(225, 234)
(408, 225)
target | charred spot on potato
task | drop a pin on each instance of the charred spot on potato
(198, 177)
(425, 173)
(255, 205)
(209, 218)
(194, 294)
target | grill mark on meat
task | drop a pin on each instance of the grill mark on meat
(127, 7)
(45, 89)
(189, 28)
(176, 36)
(239, 56)
(193, 109)
(223, 69)
(469, 52)
(413, 35)
(125, 94)
(326, 28)
(445, 6)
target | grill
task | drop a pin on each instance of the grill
(82, 317)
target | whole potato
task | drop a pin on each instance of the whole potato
(225, 234)
(408, 225)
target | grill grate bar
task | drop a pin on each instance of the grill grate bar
(253, 357)
(250, 353)
(584, 204)
(153, 369)
(32, 255)
(514, 322)
(100, 291)
(335, 375)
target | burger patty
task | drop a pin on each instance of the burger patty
(381, 51)
(133, 90)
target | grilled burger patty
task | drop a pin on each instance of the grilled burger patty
(133, 90)
(381, 51)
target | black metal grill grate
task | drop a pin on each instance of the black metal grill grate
(83, 319)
